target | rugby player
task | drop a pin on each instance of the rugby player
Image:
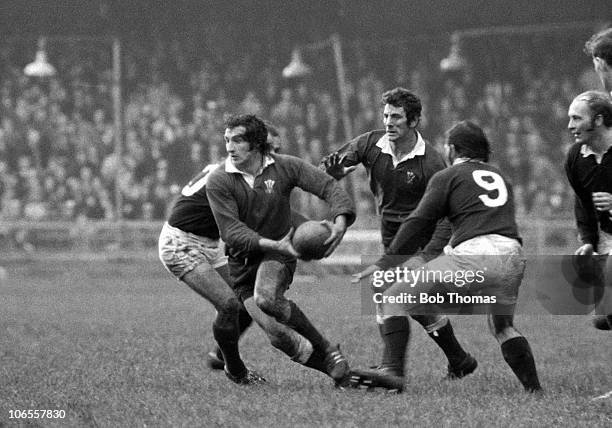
(478, 202)
(589, 170)
(190, 249)
(400, 163)
(249, 198)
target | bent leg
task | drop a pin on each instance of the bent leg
(273, 278)
(244, 322)
(205, 281)
(288, 341)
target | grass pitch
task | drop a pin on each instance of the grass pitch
(123, 344)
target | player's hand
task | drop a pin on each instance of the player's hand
(585, 250)
(284, 246)
(356, 278)
(338, 229)
(602, 201)
(334, 167)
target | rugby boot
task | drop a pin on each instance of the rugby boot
(464, 368)
(602, 322)
(337, 365)
(214, 360)
(381, 377)
(251, 377)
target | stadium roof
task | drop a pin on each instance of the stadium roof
(292, 17)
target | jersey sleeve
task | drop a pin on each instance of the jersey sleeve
(419, 227)
(224, 207)
(353, 153)
(315, 181)
(439, 239)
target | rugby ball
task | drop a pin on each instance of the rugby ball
(308, 240)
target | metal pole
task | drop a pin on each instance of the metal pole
(118, 123)
(340, 75)
(344, 105)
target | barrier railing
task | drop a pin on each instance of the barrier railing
(19, 238)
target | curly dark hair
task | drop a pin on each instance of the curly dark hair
(401, 97)
(256, 132)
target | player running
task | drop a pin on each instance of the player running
(478, 201)
(189, 247)
(589, 170)
(400, 163)
(249, 197)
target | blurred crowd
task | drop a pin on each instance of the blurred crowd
(57, 146)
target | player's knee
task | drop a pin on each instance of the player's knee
(499, 323)
(502, 328)
(268, 304)
(228, 312)
(283, 343)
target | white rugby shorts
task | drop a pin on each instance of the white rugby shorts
(180, 252)
(497, 261)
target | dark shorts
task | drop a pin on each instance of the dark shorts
(243, 272)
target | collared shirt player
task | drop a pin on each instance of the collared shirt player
(249, 196)
(478, 202)
(589, 171)
(400, 163)
(599, 48)
(190, 249)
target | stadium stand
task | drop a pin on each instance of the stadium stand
(56, 136)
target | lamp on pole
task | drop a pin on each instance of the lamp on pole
(41, 68)
(298, 68)
(456, 62)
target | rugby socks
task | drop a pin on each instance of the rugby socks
(446, 340)
(317, 362)
(517, 353)
(298, 322)
(226, 333)
(244, 322)
(395, 333)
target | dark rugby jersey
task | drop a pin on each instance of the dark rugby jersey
(587, 176)
(191, 212)
(397, 189)
(245, 214)
(473, 195)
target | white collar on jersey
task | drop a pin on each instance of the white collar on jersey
(385, 147)
(586, 150)
(250, 179)
(457, 161)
